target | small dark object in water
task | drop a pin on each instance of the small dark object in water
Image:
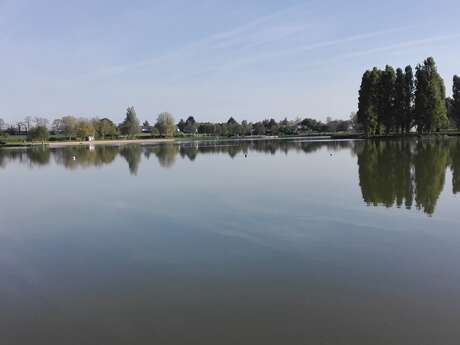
(245, 156)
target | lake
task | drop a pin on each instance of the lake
(232, 242)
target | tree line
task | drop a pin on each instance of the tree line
(390, 102)
(397, 101)
(165, 126)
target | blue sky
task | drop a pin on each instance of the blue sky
(211, 59)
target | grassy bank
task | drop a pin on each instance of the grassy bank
(58, 141)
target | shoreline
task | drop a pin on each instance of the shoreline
(115, 142)
(325, 137)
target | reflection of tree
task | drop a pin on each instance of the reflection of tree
(105, 155)
(38, 155)
(391, 172)
(430, 165)
(166, 153)
(19, 155)
(189, 151)
(3, 158)
(132, 154)
(455, 165)
(397, 172)
(73, 157)
(385, 173)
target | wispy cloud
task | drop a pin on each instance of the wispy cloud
(387, 48)
(404, 45)
(219, 40)
(273, 37)
(310, 47)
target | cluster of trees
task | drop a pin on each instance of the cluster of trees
(265, 127)
(397, 101)
(72, 128)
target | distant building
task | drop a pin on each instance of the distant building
(189, 130)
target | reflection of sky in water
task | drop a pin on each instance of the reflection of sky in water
(199, 244)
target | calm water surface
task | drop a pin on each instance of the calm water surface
(297, 243)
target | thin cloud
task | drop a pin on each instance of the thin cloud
(217, 40)
(311, 47)
(402, 45)
(388, 48)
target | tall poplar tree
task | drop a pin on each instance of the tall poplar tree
(130, 125)
(368, 102)
(430, 95)
(400, 100)
(387, 98)
(456, 101)
(409, 89)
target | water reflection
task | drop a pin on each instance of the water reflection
(455, 165)
(392, 173)
(404, 172)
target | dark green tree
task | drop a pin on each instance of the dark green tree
(400, 98)
(409, 89)
(190, 125)
(455, 105)
(386, 95)
(404, 98)
(181, 125)
(130, 126)
(367, 115)
(430, 95)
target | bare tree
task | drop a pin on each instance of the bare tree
(21, 127)
(57, 126)
(28, 123)
(41, 122)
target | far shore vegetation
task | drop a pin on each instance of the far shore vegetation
(391, 103)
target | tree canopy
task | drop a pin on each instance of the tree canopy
(130, 126)
(38, 133)
(166, 125)
(393, 102)
(455, 111)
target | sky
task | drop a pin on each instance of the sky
(250, 59)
